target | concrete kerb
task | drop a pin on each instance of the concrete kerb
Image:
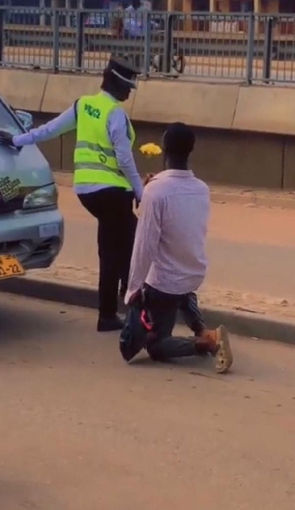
(239, 323)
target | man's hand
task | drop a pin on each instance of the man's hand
(134, 296)
(148, 178)
(7, 139)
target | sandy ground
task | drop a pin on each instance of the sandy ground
(80, 429)
(251, 252)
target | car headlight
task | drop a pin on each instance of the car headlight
(42, 197)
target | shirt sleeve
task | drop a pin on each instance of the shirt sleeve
(147, 240)
(65, 122)
(118, 128)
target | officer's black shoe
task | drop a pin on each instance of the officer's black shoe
(110, 324)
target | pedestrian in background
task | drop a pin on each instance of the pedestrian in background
(106, 179)
(118, 20)
(133, 22)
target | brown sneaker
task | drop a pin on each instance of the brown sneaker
(220, 348)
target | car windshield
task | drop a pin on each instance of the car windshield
(7, 121)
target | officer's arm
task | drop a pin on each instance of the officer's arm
(65, 122)
(119, 136)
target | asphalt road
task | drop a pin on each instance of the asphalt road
(237, 266)
(249, 249)
(81, 430)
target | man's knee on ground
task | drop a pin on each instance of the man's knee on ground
(156, 353)
(154, 348)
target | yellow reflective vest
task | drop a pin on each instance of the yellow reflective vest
(94, 158)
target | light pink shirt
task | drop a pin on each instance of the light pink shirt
(169, 249)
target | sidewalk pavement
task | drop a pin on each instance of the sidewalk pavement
(251, 250)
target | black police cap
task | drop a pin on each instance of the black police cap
(124, 71)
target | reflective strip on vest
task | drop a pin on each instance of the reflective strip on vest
(97, 166)
(85, 176)
(96, 147)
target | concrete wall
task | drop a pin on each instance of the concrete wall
(245, 135)
(226, 106)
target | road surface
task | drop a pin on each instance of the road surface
(251, 255)
(246, 263)
(82, 430)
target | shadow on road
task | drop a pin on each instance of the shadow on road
(18, 324)
(26, 496)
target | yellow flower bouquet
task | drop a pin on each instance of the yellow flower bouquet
(150, 149)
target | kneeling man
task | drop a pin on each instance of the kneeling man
(169, 258)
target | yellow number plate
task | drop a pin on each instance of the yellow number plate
(10, 267)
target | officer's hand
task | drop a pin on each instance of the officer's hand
(7, 139)
(148, 178)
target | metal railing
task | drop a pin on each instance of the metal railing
(247, 48)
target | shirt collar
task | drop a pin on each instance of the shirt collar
(175, 173)
(104, 93)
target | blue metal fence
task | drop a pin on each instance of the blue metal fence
(239, 47)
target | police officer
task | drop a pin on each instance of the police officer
(106, 179)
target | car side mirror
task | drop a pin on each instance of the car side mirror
(25, 118)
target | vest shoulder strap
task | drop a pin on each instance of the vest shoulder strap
(76, 109)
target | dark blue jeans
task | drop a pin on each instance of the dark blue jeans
(163, 309)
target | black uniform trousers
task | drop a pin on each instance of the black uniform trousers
(113, 208)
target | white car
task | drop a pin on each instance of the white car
(31, 226)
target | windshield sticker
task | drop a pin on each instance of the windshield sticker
(9, 189)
